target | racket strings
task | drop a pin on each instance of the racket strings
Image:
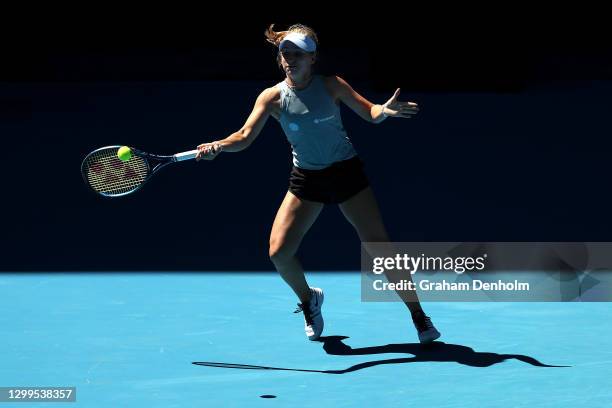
(108, 175)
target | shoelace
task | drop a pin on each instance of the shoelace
(306, 310)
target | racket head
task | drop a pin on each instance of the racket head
(108, 176)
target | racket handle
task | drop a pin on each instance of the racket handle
(191, 154)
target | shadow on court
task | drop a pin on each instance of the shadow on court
(435, 352)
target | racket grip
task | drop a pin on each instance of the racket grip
(191, 154)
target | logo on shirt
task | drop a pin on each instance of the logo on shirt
(317, 121)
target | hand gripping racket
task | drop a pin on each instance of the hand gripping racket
(109, 176)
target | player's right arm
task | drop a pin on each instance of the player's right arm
(241, 139)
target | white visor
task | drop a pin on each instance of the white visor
(302, 41)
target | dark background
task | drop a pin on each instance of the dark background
(511, 143)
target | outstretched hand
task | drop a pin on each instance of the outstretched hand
(398, 109)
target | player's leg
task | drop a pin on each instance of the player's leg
(363, 213)
(293, 219)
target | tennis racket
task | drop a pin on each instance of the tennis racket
(109, 176)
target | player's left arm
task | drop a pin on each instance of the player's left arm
(375, 113)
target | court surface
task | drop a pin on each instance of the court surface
(131, 340)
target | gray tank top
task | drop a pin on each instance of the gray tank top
(311, 120)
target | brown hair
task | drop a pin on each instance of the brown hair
(275, 37)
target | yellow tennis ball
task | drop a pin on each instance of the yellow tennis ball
(124, 153)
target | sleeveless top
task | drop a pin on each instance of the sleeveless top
(311, 121)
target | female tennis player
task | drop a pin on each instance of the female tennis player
(326, 167)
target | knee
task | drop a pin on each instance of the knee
(279, 251)
(374, 236)
(375, 232)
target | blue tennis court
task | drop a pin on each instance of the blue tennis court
(231, 340)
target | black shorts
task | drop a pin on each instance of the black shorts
(331, 185)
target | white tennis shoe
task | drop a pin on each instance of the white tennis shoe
(313, 319)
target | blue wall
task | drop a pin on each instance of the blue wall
(526, 166)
